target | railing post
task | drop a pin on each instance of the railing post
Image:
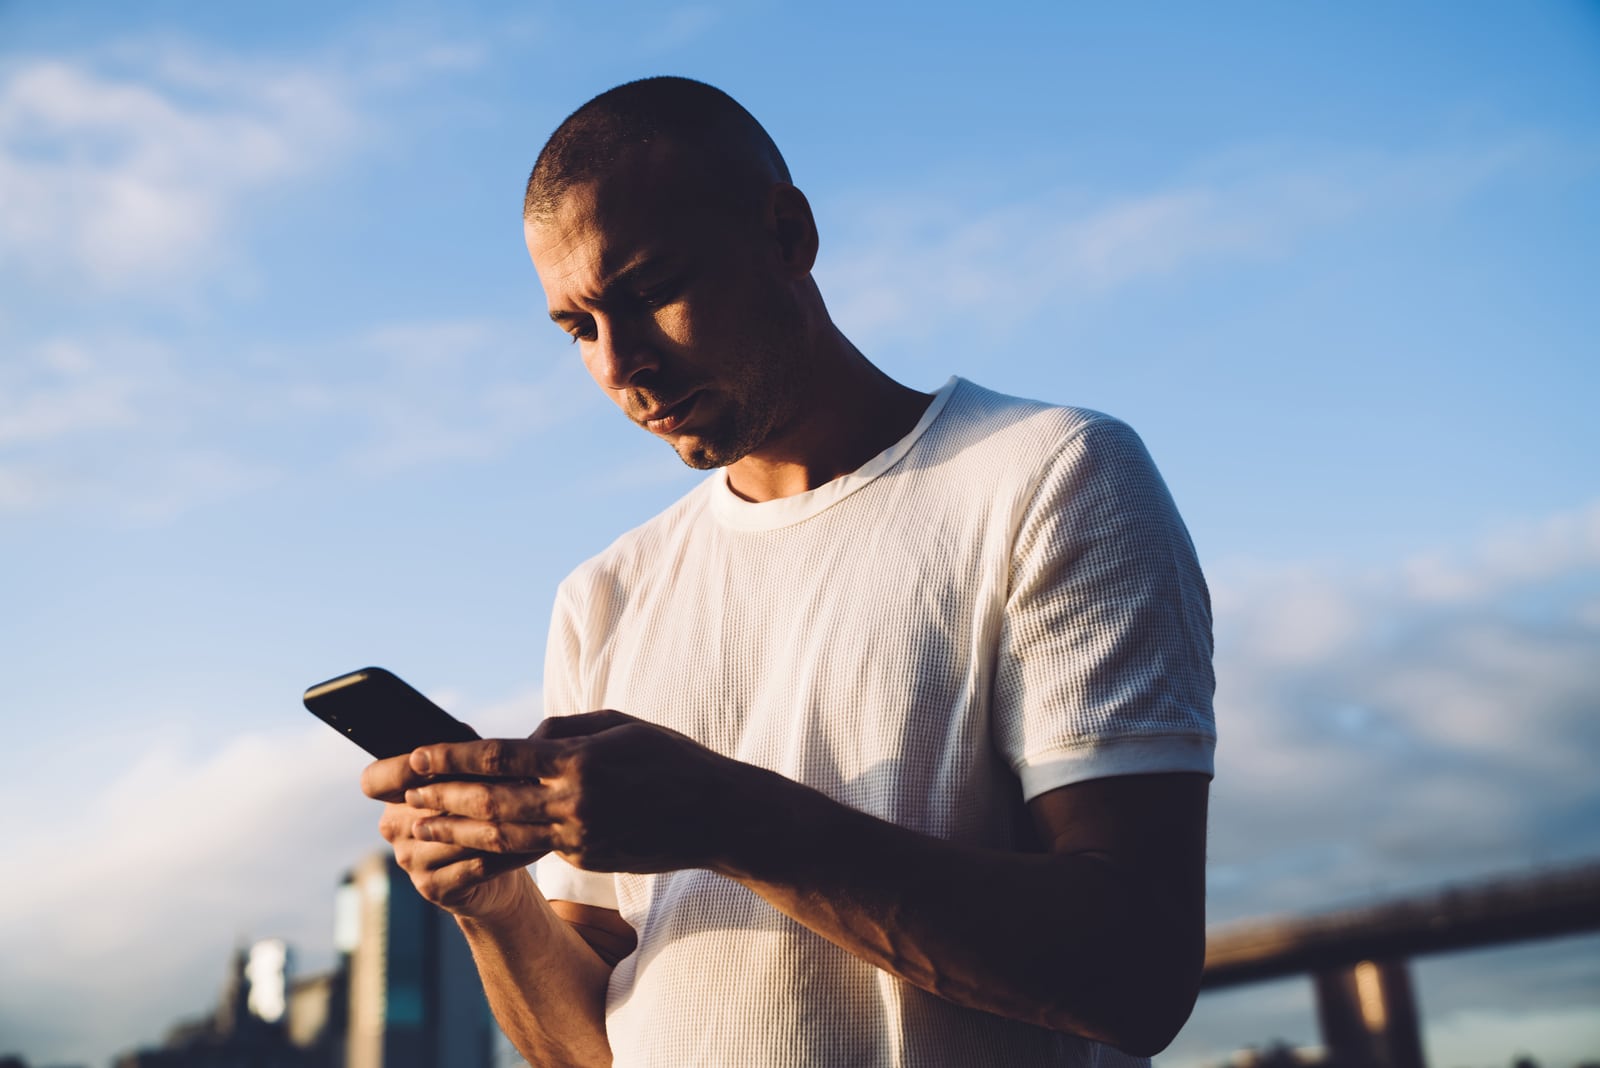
(1368, 1016)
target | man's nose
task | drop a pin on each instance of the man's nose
(621, 355)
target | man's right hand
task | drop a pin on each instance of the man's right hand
(466, 882)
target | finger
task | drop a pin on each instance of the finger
(487, 837)
(583, 723)
(387, 779)
(416, 857)
(522, 802)
(491, 758)
(397, 820)
(452, 884)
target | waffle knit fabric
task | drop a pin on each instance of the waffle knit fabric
(1003, 602)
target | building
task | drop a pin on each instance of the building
(415, 1000)
(404, 994)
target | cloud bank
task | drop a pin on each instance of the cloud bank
(144, 430)
(127, 179)
(122, 908)
(1428, 721)
(1393, 729)
(916, 262)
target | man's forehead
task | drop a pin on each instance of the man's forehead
(582, 242)
(642, 208)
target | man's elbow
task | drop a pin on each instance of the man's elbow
(1145, 1028)
(1140, 1012)
(1152, 1033)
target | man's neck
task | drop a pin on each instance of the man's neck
(853, 413)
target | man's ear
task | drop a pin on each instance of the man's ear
(790, 221)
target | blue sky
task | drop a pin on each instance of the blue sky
(278, 399)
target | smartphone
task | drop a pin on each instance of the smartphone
(383, 715)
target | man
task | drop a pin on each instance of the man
(896, 730)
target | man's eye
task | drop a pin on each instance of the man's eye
(656, 296)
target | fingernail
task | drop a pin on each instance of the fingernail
(419, 760)
(414, 798)
(422, 832)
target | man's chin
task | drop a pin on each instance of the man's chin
(703, 455)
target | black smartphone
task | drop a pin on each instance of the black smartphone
(383, 715)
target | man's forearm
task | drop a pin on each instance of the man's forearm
(1103, 936)
(1071, 941)
(547, 988)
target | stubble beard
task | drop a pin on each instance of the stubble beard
(764, 396)
(759, 406)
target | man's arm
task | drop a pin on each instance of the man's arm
(545, 984)
(544, 965)
(1101, 936)
(608, 934)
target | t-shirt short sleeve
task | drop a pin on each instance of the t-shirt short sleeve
(560, 881)
(1104, 659)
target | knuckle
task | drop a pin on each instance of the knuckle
(488, 805)
(496, 757)
(556, 810)
(388, 825)
(427, 884)
(576, 765)
(571, 837)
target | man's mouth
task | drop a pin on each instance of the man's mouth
(666, 420)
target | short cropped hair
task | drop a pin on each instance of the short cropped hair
(737, 152)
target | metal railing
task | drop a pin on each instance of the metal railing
(1357, 958)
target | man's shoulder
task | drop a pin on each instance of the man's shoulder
(1018, 428)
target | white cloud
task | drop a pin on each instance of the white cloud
(1521, 552)
(439, 392)
(172, 860)
(140, 884)
(137, 164)
(130, 180)
(1379, 733)
(62, 388)
(115, 421)
(20, 491)
(921, 261)
(121, 424)
(514, 716)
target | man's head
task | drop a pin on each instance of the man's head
(674, 250)
(738, 158)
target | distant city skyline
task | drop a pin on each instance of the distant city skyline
(279, 399)
(402, 993)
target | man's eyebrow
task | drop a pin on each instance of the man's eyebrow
(624, 278)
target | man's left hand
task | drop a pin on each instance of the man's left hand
(606, 791)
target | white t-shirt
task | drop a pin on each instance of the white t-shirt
(1003, 602)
